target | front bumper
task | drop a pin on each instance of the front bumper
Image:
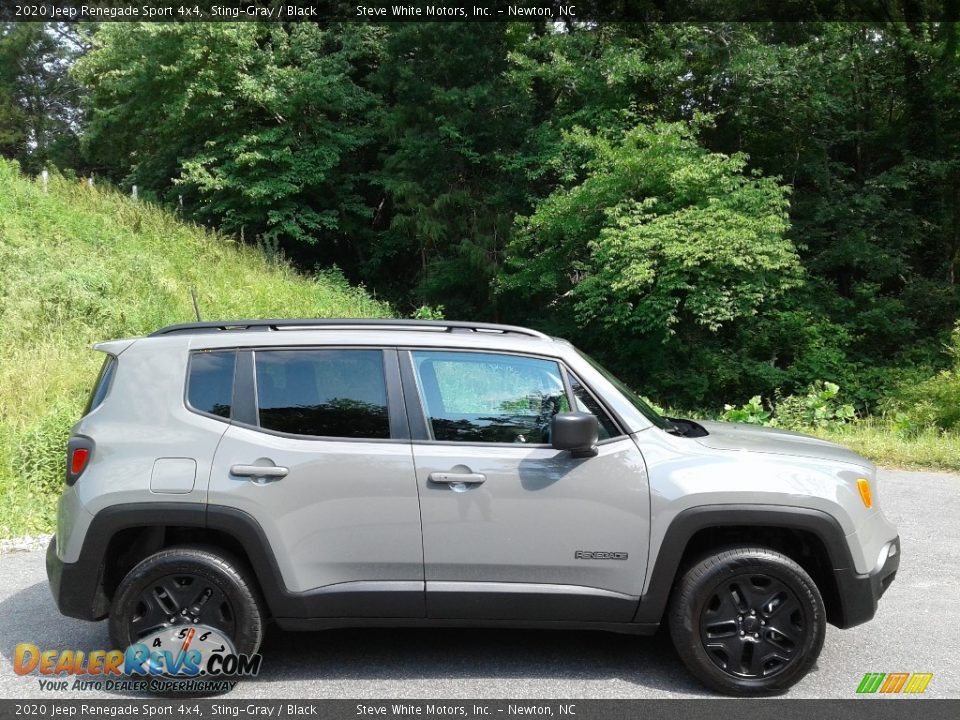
(76, 588)
(859, 594)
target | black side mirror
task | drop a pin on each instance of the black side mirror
(576, 432)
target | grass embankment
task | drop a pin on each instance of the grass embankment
(80, 265)
(927, 449)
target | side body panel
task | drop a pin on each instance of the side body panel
(537, 509)
(142, 419)
(538, 533)
(346, 512)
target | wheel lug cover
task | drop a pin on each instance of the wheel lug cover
(753, 612)
(742, 633)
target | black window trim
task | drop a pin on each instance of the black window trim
(110, 361)
(246, 386)
(596, 398)
(421, 432)
(186, 384)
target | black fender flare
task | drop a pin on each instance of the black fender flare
(692, 520)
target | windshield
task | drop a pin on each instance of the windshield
(638, 402)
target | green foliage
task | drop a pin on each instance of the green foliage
(934, 402)
(566, 177)
(38, 113)
(427, 312)
(660, 234)
(82, 265)
(818, 407)
(874, 438)
(251, 122)
(752, 413)
(445, 188)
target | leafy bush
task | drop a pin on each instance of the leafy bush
(428, 312)
(934, 402)
(817, 408)
(753, 413)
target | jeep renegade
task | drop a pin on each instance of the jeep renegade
(343, 473)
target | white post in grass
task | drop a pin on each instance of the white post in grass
(45, 179)
(134, 192)
(180, 203)
(90, 180)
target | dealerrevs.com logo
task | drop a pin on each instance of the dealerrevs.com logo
(894, 683)
(193, 658)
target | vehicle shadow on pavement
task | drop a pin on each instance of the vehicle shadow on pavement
(390, 655)
(554, 657)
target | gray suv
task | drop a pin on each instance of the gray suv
(346, 473)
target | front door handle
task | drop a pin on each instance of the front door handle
(452, 478)
(274, 472)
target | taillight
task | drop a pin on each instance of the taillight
(78, 461)
(79, 451)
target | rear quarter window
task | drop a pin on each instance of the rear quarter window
(102, 386)
(210, 382)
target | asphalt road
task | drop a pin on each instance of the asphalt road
(917, 629)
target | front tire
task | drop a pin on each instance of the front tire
(183, 585)
(747, 621)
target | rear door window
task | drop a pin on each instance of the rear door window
(325, 393)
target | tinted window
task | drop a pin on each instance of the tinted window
(333, 393)
(103, 384)
(210, 387)
(478, 397)
(588, 404)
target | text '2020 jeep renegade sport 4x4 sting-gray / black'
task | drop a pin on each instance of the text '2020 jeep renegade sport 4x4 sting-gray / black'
(325, 474)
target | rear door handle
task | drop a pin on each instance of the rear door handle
(274, 472)
(451, 478)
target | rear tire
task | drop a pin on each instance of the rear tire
(168, 583)
(747, 621)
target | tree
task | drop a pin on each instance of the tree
(861, 120)
(39, 115)
(254, 124)
(658, 238)
(449, 130)
(406, 153)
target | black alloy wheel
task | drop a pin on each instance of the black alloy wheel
(181, 599)
(747, 621)
(188, 586)
(752, 626)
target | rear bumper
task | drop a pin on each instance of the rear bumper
(859, 594)
(76, 588)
